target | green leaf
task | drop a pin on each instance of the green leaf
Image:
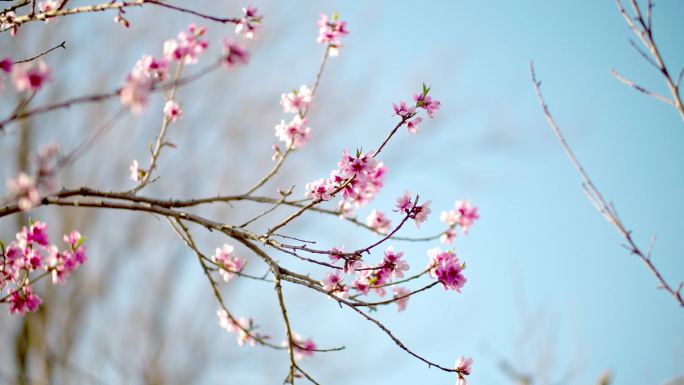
(80, 242)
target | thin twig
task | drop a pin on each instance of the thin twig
(62, 45)
(604, 208)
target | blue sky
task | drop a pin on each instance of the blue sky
(550, 289)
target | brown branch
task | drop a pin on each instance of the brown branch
(369, 318)
(62, 45)
(599, 202)
(112, 5)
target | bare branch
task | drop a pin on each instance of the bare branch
(600, 203)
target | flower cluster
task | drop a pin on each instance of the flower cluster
(25, 188)
(233, 54)
(333, 283)
(463, 215)
(368, 277)
(229, 263)
(422, 101)
(295, 134)
(187, 46)
(447, 269)
(406, 205)
(150, 72)
(379, 222)
(243, 327)
(359, 177)
(27, 77)
(296, 101)
(330, 32)
(29, 253)
(249, 22)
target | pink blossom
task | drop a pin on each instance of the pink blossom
(362, 284)
(403, 110)
(135, 92)
(47, 161)
(73, 239)
(448, 236)
(420, 213)
(187, 46)
(6, 64)
(23, 300)
(400, 292)
(247, 24)
(296, 101)
(242, 327)
(30, 77)
(447, 269)
(62, 264)
(25, 190)
(152, 68)
(293, 133)
(36, 233)
(404, 203)
(468, 214)
(463, 365)
(172, 111)
(360, 165)
(424, 101)
(301, 347)
(319, 190)
(7, 22)
(463, 368)
(412, 125)
(333, 283)
(330, 31)
(346, 209)
(229, 263)
(335, 254)
(368, 176)
(378, 222)
(47, 6)
(463, 214)
(233, 54)
(393, 264)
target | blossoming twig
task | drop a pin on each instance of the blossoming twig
(96, 98)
